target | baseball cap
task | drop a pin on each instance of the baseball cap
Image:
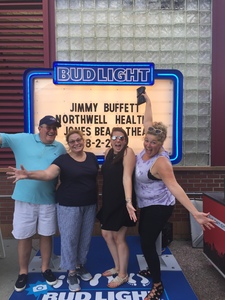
(49, 120)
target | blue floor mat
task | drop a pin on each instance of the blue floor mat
(99, 260)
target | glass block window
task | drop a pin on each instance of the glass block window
(173, 34)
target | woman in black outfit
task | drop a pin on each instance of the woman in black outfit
(118, 202)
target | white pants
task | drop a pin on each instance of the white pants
(29, 219)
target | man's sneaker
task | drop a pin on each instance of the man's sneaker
(73, 282)
(21, 283)
(83, 273)
(49, 277)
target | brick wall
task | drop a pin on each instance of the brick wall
(6, 204)
(194, 181)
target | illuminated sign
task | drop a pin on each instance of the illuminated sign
(103, 73)
(95, 97)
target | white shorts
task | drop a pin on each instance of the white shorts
(29, 219)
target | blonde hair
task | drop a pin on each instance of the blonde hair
(161, 136)
(77, 131)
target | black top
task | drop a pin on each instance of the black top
(113, 214)
(78, 180)
(152, 177)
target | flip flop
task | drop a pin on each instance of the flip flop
(117, 281)
(110, 272)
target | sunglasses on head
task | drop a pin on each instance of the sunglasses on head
(119, 137)
(154, 130)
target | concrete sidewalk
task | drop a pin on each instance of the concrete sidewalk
(205, 280)
(9, 267)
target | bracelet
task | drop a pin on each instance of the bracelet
(128, 200)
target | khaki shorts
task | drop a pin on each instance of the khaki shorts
(29, 219)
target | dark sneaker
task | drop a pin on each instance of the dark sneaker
(73, 282)
(49, 277)
(83, 273)
(21, 283)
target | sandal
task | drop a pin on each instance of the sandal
(155, 293)
(117, 281)
(145, 273)
(110, 272)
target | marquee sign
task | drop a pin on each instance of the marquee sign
(95, 97)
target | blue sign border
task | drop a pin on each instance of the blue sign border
(176, 76)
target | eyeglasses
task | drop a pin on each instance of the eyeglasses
(49, 127)
(119, 137)
(75, 141)
(154, 130)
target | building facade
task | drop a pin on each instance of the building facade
(184, 35)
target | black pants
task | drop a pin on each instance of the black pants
(152, 220)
